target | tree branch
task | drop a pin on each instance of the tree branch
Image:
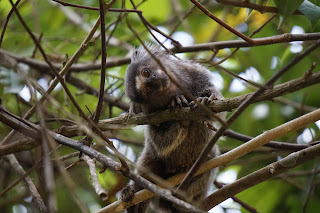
(217, 106)
(103, 62)
(103, 194)
(219, 21)
(67, 4)
(266, 173)
(63, 72)
(248, 4)
(283, 38)
(36, 198)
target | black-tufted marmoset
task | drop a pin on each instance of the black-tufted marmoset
(173, 146)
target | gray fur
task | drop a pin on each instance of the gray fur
(171, 147)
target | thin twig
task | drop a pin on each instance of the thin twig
(148, 24)
(36, 197)
(103, 62)
(21, 178)
(310, 186)
(250, 36)
(222, 23)
(7, 21)
(96, 8)
(248, 4)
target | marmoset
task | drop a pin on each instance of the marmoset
(173, 146)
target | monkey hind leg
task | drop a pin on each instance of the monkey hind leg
(127, 194)
(194, 194)
(160, 205)
(139, 208)
(196, 191)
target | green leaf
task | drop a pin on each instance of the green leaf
(287, 7)
(259, 2)
(280, 20)
(155, 10)
(316, 2)
(13, 82)
(311, 11)
(249, 10)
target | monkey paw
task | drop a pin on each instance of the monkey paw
(178, 102)
(203, 100)
(127, 193)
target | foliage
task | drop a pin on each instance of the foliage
(62, 29)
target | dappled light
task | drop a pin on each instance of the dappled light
(204, 106)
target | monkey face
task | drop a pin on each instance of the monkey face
(150, 81)
(145, 82)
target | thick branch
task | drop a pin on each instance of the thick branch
(261, 175)
(217, 106)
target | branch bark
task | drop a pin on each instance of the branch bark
(103, 194)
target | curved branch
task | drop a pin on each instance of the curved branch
(284, 38)
(67, 4)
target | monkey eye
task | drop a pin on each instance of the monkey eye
(145, 73)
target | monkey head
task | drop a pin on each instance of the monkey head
(144, 81)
